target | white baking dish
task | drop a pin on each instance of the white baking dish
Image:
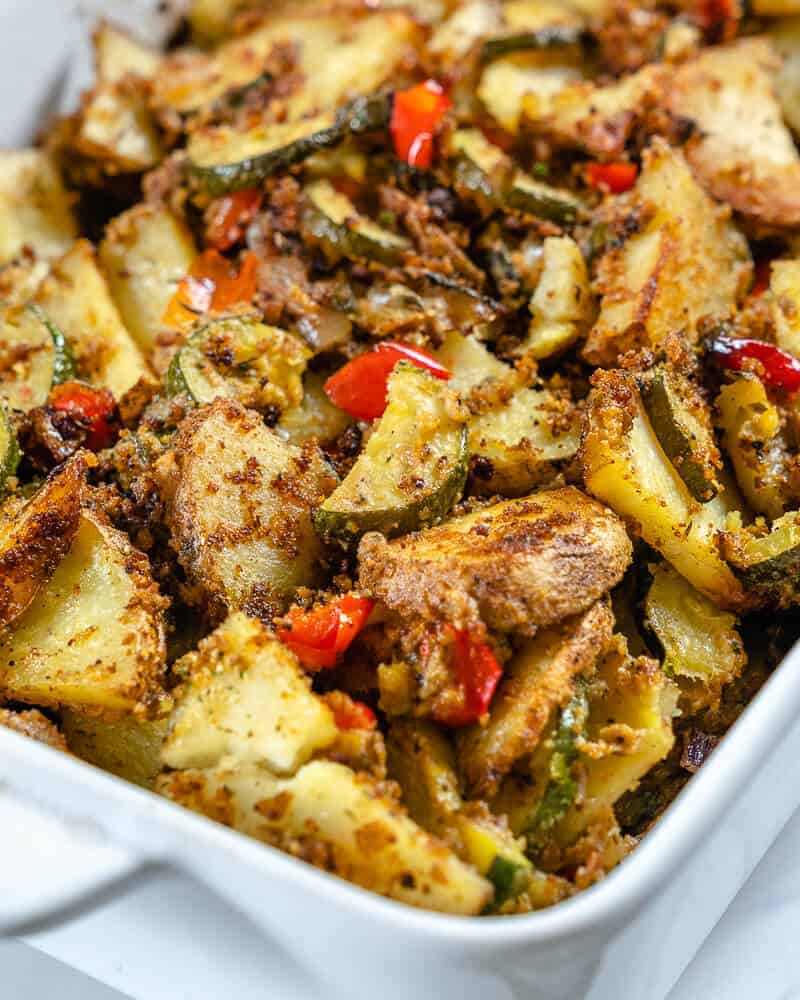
(70, 836)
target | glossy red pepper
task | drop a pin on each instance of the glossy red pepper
(613, 177)
(348, 713)
(94, 409)
(318, 635)
(229, 216)
(779, 369)
(416, 115)
(359, 387)
(710, 14)
(211, 284)
(477, 672)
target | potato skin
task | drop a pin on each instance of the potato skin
(515, 566)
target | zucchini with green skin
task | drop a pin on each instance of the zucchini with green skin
(242, 358)
(700, 641)
(222, 160)
(682, 425)
(532, 197)
(9, 449)
(34, 356)
(334, 222)
(552, 37)
(413, 468)
(769, 566)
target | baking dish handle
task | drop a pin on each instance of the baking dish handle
(53, 867)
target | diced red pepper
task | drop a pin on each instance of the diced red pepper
(318, 635)
(210, 284)
(613, 177)
(711, 14)
(762, 274)
(348, 713)
(360, 386)
(229, 216)
(779, 369)
(477, 672)
(94, 409)
(416, 115)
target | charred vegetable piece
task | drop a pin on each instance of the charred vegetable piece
(242, 358)
(769, 565)
(412, 469)
(700, 641)
(334, 222)
(682, 425)
(93, 410)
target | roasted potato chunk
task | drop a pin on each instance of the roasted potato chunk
(516, 565)
(35, 210)
(128, 746)
(35, 539)
(36, 726)
(246, 698)
(95, 635)
(538, 680)
(329, 815)
(239, 505)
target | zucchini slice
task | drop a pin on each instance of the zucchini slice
(682, 425)
(413, 468)
(332, 220)
(9, 449)
(532, 25)
(532, 197)
(241, 358)
(753, 438)
(34, 356)
(769, 566)
(625, 466)
(700, 641)
(222, 159)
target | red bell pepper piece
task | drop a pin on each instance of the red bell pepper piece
(780, 369)
(94, 409)
(210, 284)
(230, 215)
(318, 635)
(613, 177)
(477, 672)
(360, 386)
(348, 713)
(416, 115)
(711, 14)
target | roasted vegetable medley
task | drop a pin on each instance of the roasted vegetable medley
(400, 423)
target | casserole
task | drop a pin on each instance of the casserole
(582, 948)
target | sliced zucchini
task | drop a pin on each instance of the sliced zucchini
(700, 642)
(330, 815)
(223, 159)
(241, 358)
(753, 438)
(551, 37)
(33, 540)
(542, 200)
(9, 449)
(334, 222)
(95, 634)
(518, 445)
(145, 253)
(34, 356)
(516, 566)
(75, 296)
(562, 306)
(629, 730)
(128, 746)
(682, 424)
(239, 503)
(497, 855)
(769, 565)
(624, 465)
(538, 679)
(35, 209)
(245, 699)
(412, 469)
